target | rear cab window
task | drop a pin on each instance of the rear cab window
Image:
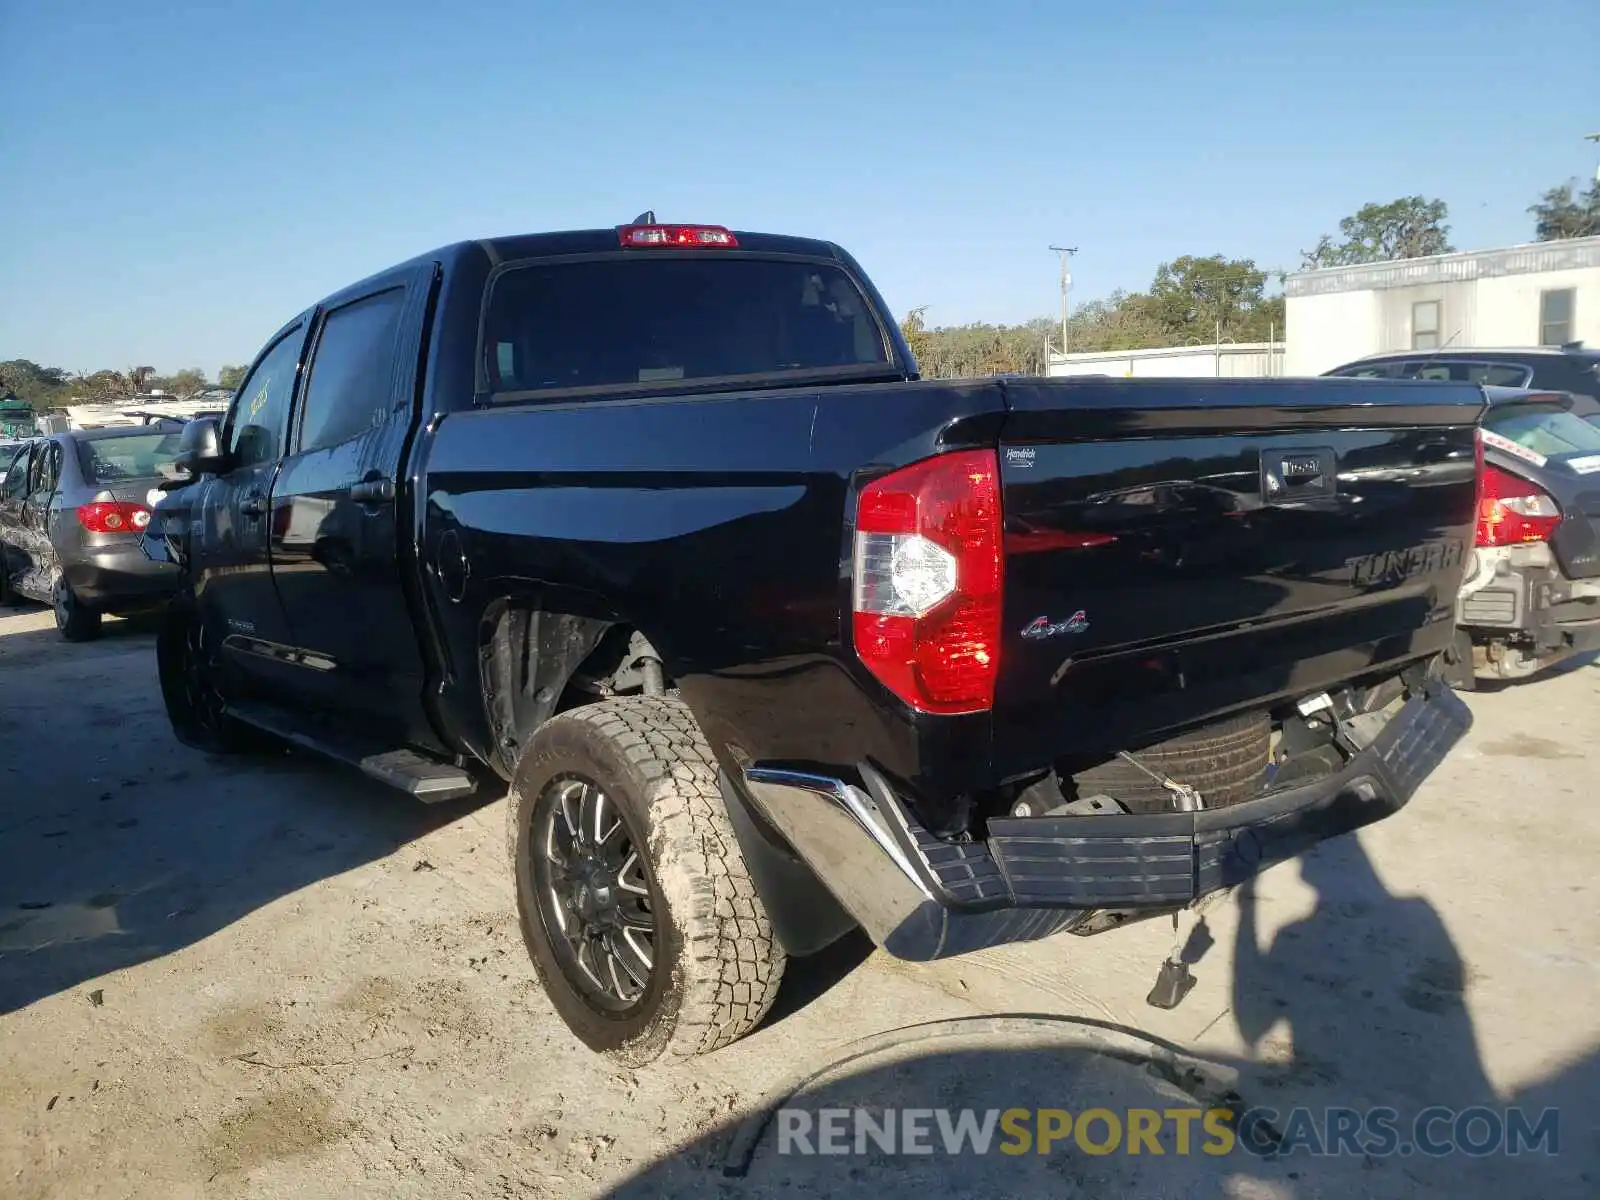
(632, 323)
(116, 460)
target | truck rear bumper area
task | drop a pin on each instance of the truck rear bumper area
(920, 898)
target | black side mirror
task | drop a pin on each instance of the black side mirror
(200, 449)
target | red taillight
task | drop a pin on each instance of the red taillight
(107, 516)
(704, 236)
(1512, 511)
(927, 581)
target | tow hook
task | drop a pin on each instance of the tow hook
(1184, 797)
(1174, 980)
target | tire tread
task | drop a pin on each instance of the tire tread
(1225, 762)
(731, 963)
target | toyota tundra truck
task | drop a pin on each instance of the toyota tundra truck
(657, 528)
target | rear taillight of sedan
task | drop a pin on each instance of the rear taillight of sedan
(111, 516)
(1513, 511)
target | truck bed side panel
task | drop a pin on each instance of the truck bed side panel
(717, 525)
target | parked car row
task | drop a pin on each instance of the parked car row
(72, 508)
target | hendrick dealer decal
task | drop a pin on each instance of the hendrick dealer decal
(1490, 438)
(1587, 465)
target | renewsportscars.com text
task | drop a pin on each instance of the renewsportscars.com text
(1377, 1132)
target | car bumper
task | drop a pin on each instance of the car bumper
(920, 898)
(1519, 593)
(120, 577)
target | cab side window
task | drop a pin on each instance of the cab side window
(259, 422)
(350, 382)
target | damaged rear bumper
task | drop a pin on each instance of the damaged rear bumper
(1520, 594)
(921, 898)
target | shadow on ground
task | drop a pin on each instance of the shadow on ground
(1359, 1006)
(118, 845)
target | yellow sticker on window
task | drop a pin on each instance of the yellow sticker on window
(259, 399)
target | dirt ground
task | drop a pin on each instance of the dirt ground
(274, 978)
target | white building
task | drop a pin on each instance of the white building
(1230, 360)
(1541, 294)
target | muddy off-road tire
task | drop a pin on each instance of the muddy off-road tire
(638, 771)
(1225, 762)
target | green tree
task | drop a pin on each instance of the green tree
(100, 386)
(912, 328)
(232, 376)
(1564, 212)
(1122, 321)
(963, 351)
(1410, 227)
(40, 387)
(181, 384)
(1202, 300)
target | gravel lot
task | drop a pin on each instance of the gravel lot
(274, 978)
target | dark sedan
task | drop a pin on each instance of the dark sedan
(72, 507)
(1532, 592)
(1571, 368)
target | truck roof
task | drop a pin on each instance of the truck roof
(511, 247)
(600, 241)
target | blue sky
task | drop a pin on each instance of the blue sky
(182, 178)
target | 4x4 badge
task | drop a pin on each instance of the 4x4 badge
(1043, 627)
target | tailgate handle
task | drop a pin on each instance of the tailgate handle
(1298, 474)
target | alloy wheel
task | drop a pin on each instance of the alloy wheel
(195, 667)
(595, 892)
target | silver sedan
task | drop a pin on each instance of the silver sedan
(72, 507)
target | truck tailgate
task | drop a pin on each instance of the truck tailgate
(1176, 549)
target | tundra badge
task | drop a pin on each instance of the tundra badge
(1043, 627)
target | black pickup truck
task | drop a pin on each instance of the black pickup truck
(772, 638)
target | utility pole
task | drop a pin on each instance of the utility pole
(1064, 253)
(1594, 137)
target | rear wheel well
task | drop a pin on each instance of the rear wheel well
(623, 663)
(534, 664)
